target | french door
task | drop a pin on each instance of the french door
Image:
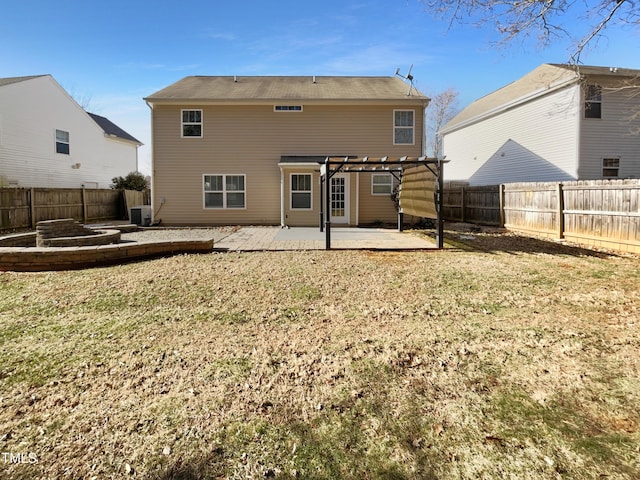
(340, 199)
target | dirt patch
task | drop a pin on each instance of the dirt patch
(500, 356)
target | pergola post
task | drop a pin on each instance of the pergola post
(327, 218)
(321, 203)
(439, 205)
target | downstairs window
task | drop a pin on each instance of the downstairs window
(224, 191)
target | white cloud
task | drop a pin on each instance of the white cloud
(227, 36)
(375, 58)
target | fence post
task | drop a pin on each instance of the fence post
(84, 205)
(560, 212)
(501, 201)
(463, 206)
(32, 207)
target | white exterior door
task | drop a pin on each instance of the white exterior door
(340, 199)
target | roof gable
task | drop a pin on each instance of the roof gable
(209, 88)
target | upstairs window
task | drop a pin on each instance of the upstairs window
(224, 191)
(610, 167)
(593, 101)
(301, 191)
(381, 184)
(192, 123)
(403, 123)
(62, 142)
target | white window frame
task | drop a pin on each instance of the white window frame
(224, 191)
(292, 191)
(592, 96)
(381, 175)
(185, 124)
(404, 127)
(288, 108)
(63, 142)
(605, 167)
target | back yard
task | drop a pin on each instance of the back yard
(499, 357)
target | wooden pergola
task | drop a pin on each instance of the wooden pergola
(396, 167)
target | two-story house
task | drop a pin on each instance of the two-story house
(48, 140)
(247, 150)
(557, 123)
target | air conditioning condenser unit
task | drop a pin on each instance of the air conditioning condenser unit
(140, 215)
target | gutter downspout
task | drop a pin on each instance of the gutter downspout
(153, 210)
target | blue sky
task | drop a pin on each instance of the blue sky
(112, 54)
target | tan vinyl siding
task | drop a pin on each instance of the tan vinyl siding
(250, 140)
(375, 208)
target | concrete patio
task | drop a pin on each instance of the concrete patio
(248, 239)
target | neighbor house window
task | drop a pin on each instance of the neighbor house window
(192, 123)
(610, 167)
(593, 101)
(381, 184)
(224, 191)
(62, 142)
(287, 108)
(301, 191)
(403, 123)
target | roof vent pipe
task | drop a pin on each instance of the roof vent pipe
(235, 79)
(314, 79)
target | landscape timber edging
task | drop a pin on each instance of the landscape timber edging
(37, 259)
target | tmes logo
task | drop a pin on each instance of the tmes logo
(10, 457)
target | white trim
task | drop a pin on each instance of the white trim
(413, 127)
(357, 200)
(305, 165)
(224, 191)
(182, 123)
(310, 191)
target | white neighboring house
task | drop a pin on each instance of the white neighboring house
(48, 140)
(557, 123)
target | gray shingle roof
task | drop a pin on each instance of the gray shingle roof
(10, 80)
(545, 78)
(205, 88)
(111, 128)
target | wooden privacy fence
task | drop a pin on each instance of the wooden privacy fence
(602, 213)
(24, 207)
(473, 204)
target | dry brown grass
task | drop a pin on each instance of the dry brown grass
(500, 357)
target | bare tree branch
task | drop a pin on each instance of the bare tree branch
(442, 108)
(607, 16)
(544, 19)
